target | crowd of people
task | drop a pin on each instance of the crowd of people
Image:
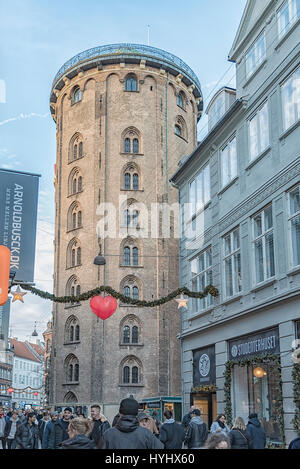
(130, 429)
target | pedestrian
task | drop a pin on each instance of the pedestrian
(257, 433)
(99, 424)
(295, 444)
(187, 418)
(239, 436)
(2, 426)
(127, 433)
(217, 441)
(145, 420)
(42, 424)
(171, 433)
(220, 426)
(59, 432)
(39, 415)
(48, 430)
(197, 431)
(79, 430)
(156, 420)
(10, 430)
(27, 434)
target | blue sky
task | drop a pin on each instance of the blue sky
(38, 36)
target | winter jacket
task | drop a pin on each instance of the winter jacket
(27, 436)
(186, 420)
(196, 433)
(8, 426)
(78, 442)
(239, 439)
(128, 434)
(172, 434)
(46, 435)
(58, 433)
(99, 428)
(41, 427)
(257, 434)
(216, 426)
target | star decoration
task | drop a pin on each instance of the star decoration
(182, 302)
(18, 295)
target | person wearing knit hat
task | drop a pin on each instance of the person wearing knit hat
(127, 433)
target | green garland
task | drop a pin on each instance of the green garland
(124, 299)
(265, 358)
(296, 380)
(205, 388)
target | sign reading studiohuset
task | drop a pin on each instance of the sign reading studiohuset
(255, 344)
(18, 214)
(204, 366)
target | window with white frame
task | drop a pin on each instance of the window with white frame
(199, 194)
(201, 270)
(263, 242)
(256, 55)
(216, 111)
(294, 225)
(232, 263)
(287, 15)
(290, 93)
(229, 162)
(259, 132)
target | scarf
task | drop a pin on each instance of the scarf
(222, 425)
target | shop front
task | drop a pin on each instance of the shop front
(161, 404)
(253, 382)
(203, 394)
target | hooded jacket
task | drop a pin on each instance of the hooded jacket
(128, 434)
(172, 434)
(8, 426)
(58, 434)
(257, 434)
(99, 428)
(27, 436)
(78, 442)
(196, 434)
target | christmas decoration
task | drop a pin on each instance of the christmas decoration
(182, 302)
(35, 394)
(10, 390)
(259, 372)
(296, 381)
(103, 307)
(18, 295)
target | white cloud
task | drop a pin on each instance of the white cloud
(24, 116)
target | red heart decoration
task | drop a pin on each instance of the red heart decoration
(103, 307)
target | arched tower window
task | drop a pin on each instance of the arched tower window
(180, 127)
(73, 288)
(75, 147)
(76, 95)
(131, 286)
(126, 375)
(126, 335)
(131, 370)
(130, 179)
(135, 145)
(181, 100)
(74, 216)
(73, 253)
(71, 366)
(131, 141)
(72, 329)
(130, 251)
(131, 83)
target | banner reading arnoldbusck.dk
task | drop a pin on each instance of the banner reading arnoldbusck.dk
(18, 215)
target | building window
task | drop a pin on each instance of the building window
(131, 83)
(294, 225)
(201, 270)
(127, 145)
(131, 257)
(263, 245)
(287, 15)
(127, 181)
(180, 99)
(126, 335)
(126, 255)
(135, 182)
(72, 368)
(135, 375)
(232, 263)
(255, 55)
(216, 111)
(135, 256)
(73, 254)
(127, 291)
(229, 162)
(131, 141)
(290, 92)
(131, 292)
(135, 145)
(177, 130)
(259, 132)
(131, 371)
(126, 375)
(135, 335)
(199, 194)
(76, 95)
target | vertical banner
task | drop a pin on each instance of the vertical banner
(18, 217)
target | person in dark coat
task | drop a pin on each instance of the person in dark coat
(27, 436)
(239, 436)
(187, 418)
(257, 433)
(48, 430)
(197, 431)
(42, 424)
(11, 429)
(59, 432)
(100, 424)
(171, 433)
(115, 420)
(128, 434)
(79, 430)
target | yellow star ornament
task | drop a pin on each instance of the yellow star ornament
(18, 295)
(182, 302)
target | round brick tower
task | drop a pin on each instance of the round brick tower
(125, 115)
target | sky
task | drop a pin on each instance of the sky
(38, 36)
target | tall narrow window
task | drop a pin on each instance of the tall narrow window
(135, 335)
(259, 132)
(232, 263)
(71, 333)
(177, 130)
(135, 182)
(126, 335)
(201, 270)
(77, 330)
(229, 162)
(135, 375)
(127, 145)
(135, 218)
(80, 184)
(79, 219)
(255, 55)
(180, 100)
(76, 372)
(135, 145)
(74, 219)
(135, 293)
(126, 256)
(70, 373)
(75, 152)
(77, 95)
(135, 256)
(290, 92)
(127, 181)
(263, 245)
(287, 15)
(78, 256)
(74, 186)
(126, 374)
(131, 83)
(199, 194)
(80, 150)
(127, 291)
(294, 225)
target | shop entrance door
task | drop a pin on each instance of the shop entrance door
(207, 404)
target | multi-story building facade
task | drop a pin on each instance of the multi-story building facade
(28, 371)
(6, 366)
(241, 232)
(125, 115)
